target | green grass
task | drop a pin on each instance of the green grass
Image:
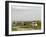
(27, 25)
(14, 29)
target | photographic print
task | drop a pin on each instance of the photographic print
(24, 18)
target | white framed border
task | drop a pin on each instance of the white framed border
(29, 31)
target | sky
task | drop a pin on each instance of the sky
(25, 13)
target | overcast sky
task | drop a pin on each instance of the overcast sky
(25, 13)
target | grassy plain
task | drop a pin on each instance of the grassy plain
(26, 25)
